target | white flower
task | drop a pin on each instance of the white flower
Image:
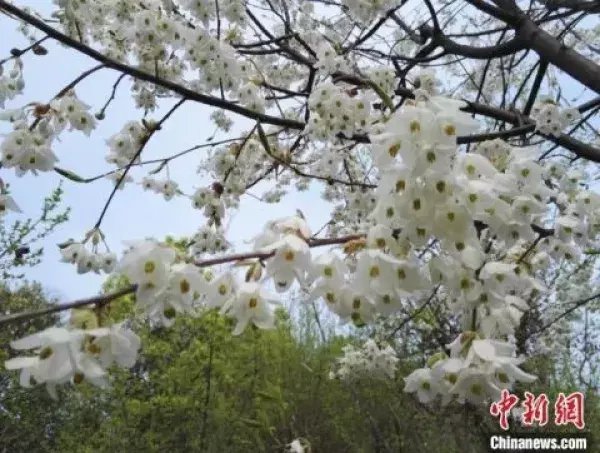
(290, 262)
(27, 151)
(355, 306)
(376, 272)
(251, 304)
(220, 290)
(420, 382)
(146, 264)
(114, 344)
(7, 203)
(52, 362)
(73, 252)
(119, 178)
(474, 386)
(59, 359)
(295, 447)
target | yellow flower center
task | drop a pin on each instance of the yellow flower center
(450, 129)
(46, 352)
(78, 378)
(149, 267)
(184, 286)
(374, 272)
(393, 150)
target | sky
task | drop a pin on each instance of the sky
(134, 213)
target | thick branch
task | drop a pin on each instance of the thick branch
(479, 53)
(547, 46)
(96, 300)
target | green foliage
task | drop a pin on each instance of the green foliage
(18, 242)
(196, 388)
(27, 421)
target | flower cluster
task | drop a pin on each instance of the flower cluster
(370, 360)
(167, 187)
(236, 166)
(328, 60)
(551, 119)
(68, 109)
(476, 371)
(286, 239)
(217, 62)
(334, 111)
(165, 287)
(11, 82)
(27, 151)
(250, 97)
(88, 260)
(384, 77)
(208, 240)
(124, 145)
(364, 11)
(28, 147)
(74, 355)
(205, 11)
(414, 215)
(209, 199)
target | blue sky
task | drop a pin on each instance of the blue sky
(134, 213)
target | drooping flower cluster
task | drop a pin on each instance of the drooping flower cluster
(209, 199)
(89, 260)
(476, 371)
(164, 287)
(167, 187)
(124, 145)
(69, 109)
(250, 97)
(63, 355)
(27, 151)
(368, 360)
(286, 239)
(208, 240)
(28, 147)
(11, 81)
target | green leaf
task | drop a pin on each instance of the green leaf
(69, 175)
